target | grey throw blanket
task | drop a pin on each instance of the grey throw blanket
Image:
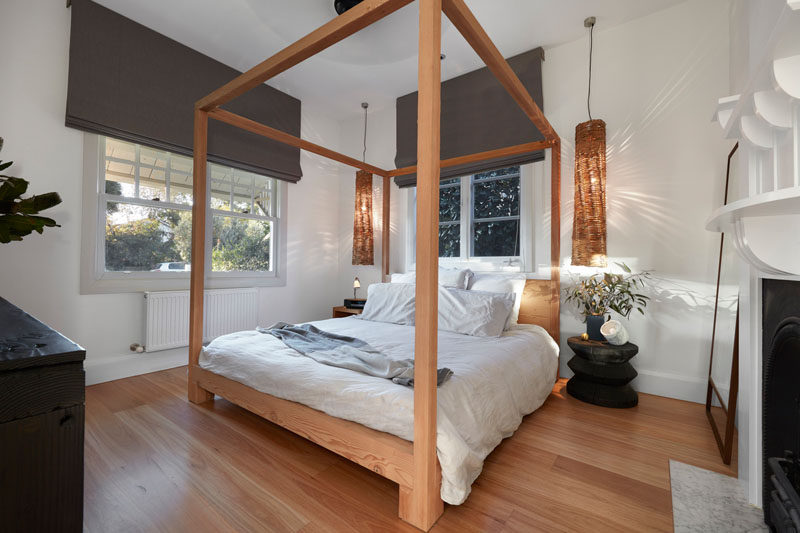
(347, 352)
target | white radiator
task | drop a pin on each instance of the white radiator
(225, 311)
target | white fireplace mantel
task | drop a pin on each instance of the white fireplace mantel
(762, 217)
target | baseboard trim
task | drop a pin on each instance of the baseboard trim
(678, 386)
(689, 388)
(100, 370)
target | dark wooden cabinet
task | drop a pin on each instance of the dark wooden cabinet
(41, 426)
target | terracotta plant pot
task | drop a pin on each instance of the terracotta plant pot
(593, 325)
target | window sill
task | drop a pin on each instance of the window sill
(120, 282)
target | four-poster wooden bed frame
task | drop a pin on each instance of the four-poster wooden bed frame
(413, 466)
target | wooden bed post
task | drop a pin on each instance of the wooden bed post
(386, 227)
(197, 286)
(421, 505)
(555, 239)
(414, 466)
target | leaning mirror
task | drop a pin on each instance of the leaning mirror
(723, 371)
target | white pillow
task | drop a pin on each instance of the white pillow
(503, 283)
(476, 313)
(406, 277)
(390, 302)
(458, 278)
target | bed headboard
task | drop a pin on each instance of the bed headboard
(540, 305)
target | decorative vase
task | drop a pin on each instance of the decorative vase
(593, 325)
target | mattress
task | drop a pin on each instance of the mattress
(496, 382)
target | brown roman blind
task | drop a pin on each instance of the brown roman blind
(478, 115)
(130, 82)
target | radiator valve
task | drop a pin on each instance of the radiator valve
(136, 347)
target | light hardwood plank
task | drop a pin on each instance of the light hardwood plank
(157, 463)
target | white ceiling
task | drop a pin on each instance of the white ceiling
(377, 64)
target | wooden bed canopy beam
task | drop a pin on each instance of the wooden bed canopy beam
(346, 24)
(414, 466)
(285, 138)
(480, 156)
(469, 27)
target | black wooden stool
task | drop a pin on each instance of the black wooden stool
(602, 373)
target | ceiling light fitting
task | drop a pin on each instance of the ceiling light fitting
(343, 5)
(363, 251)
(589, 224)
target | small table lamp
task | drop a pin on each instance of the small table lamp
(356, 286)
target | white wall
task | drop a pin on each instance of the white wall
(41, 273)
(380, 152)
(655, 82)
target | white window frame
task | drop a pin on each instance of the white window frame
(534, 220)
(94, 277)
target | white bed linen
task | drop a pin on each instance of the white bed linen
(496, 381)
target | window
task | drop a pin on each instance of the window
(144, 218)
(479, 216)
(494, 213)
(493, 220)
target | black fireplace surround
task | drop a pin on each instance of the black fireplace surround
(781, 404)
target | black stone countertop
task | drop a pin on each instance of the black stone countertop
(26, 342)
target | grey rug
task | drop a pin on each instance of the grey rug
(705, 501)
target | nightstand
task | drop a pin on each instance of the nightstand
(602, 373)
(341, 311)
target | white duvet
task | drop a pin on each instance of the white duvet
(496, 381)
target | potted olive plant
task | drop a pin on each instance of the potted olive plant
(598, 295)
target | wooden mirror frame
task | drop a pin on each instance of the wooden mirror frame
(724, 440)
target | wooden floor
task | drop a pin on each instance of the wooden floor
(154, 462)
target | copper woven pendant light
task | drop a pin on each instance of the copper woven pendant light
(363, 252)
(589, 223)
(363, 246)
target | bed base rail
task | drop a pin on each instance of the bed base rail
(384, 454)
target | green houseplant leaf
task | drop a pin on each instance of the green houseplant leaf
(19, 216)
(603, 292)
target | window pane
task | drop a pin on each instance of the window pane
(120, 168)
(120, 149)
(152, 184)
(149, 157)
(450, 203)
(220, 187)
(495, 239)
(498, 172)
(180, 179)
(263, 195)
(180, 187)
(241, 244)
(449, 240)
(242, 191)
(495, 197)
(119, 185)
(143, 238)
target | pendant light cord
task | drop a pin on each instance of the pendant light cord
(589, 94)
(364, 154)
